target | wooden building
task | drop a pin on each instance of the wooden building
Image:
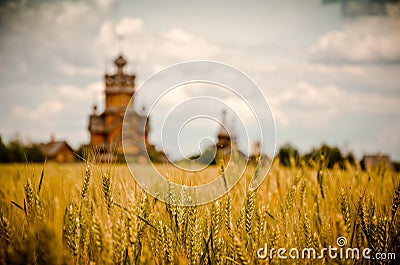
(226, 143)
(106, 128)
(58, 151)
(368, 162)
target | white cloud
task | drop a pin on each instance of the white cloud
(81, 94)
(173, 98)
(68, 13)
(352, 70)
(181, 45)
(306, 104)
(76, 70)
(171, 46)
(373, 102)
(66, 101)
(315, 105)
(105, 39)
(45, 37)
(64, 113)
(178, 35)
(42, 114)
(364, 40)
(381, 141)
(47, 45)
(105, 4)
(242, 110)
(128, 25)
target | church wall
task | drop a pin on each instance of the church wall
(110, 119)
(116, 101)
(65, 155)
(119, 90)
(96, 139)
(115, 137)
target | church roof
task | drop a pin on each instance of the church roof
(52, 148)
(96, 123)
(120, 61)
(222, 130)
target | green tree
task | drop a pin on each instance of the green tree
(16, 151)
(351, 159)
(84, 152)
(396, 166)
(34, 153)
(332, 156)
(288, 155)
(4, 154)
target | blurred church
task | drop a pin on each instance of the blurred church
(106, 128)
(225, 142)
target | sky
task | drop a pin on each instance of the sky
(328, 77)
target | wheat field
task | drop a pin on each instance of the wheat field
(96, 214)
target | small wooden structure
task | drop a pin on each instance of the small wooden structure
(58, 151)
(368, 162)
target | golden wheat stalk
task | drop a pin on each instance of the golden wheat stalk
(345, 208)
(241, 252)
(97, 235)
(290, 197)
(396, 201)
(307, 231)
(119, 241)
(29, 198)
(107, 192)
(71, 228)
(228, 216)
(5, 231)
(86, 182)
(216, 226)
(191, 235)
(250, 205)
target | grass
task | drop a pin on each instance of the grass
(81, 214)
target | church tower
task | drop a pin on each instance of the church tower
(119, 90)
(106, 129)
(225, 141)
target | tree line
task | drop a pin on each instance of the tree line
(331, 156)
(289, 156)
(16, 151)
